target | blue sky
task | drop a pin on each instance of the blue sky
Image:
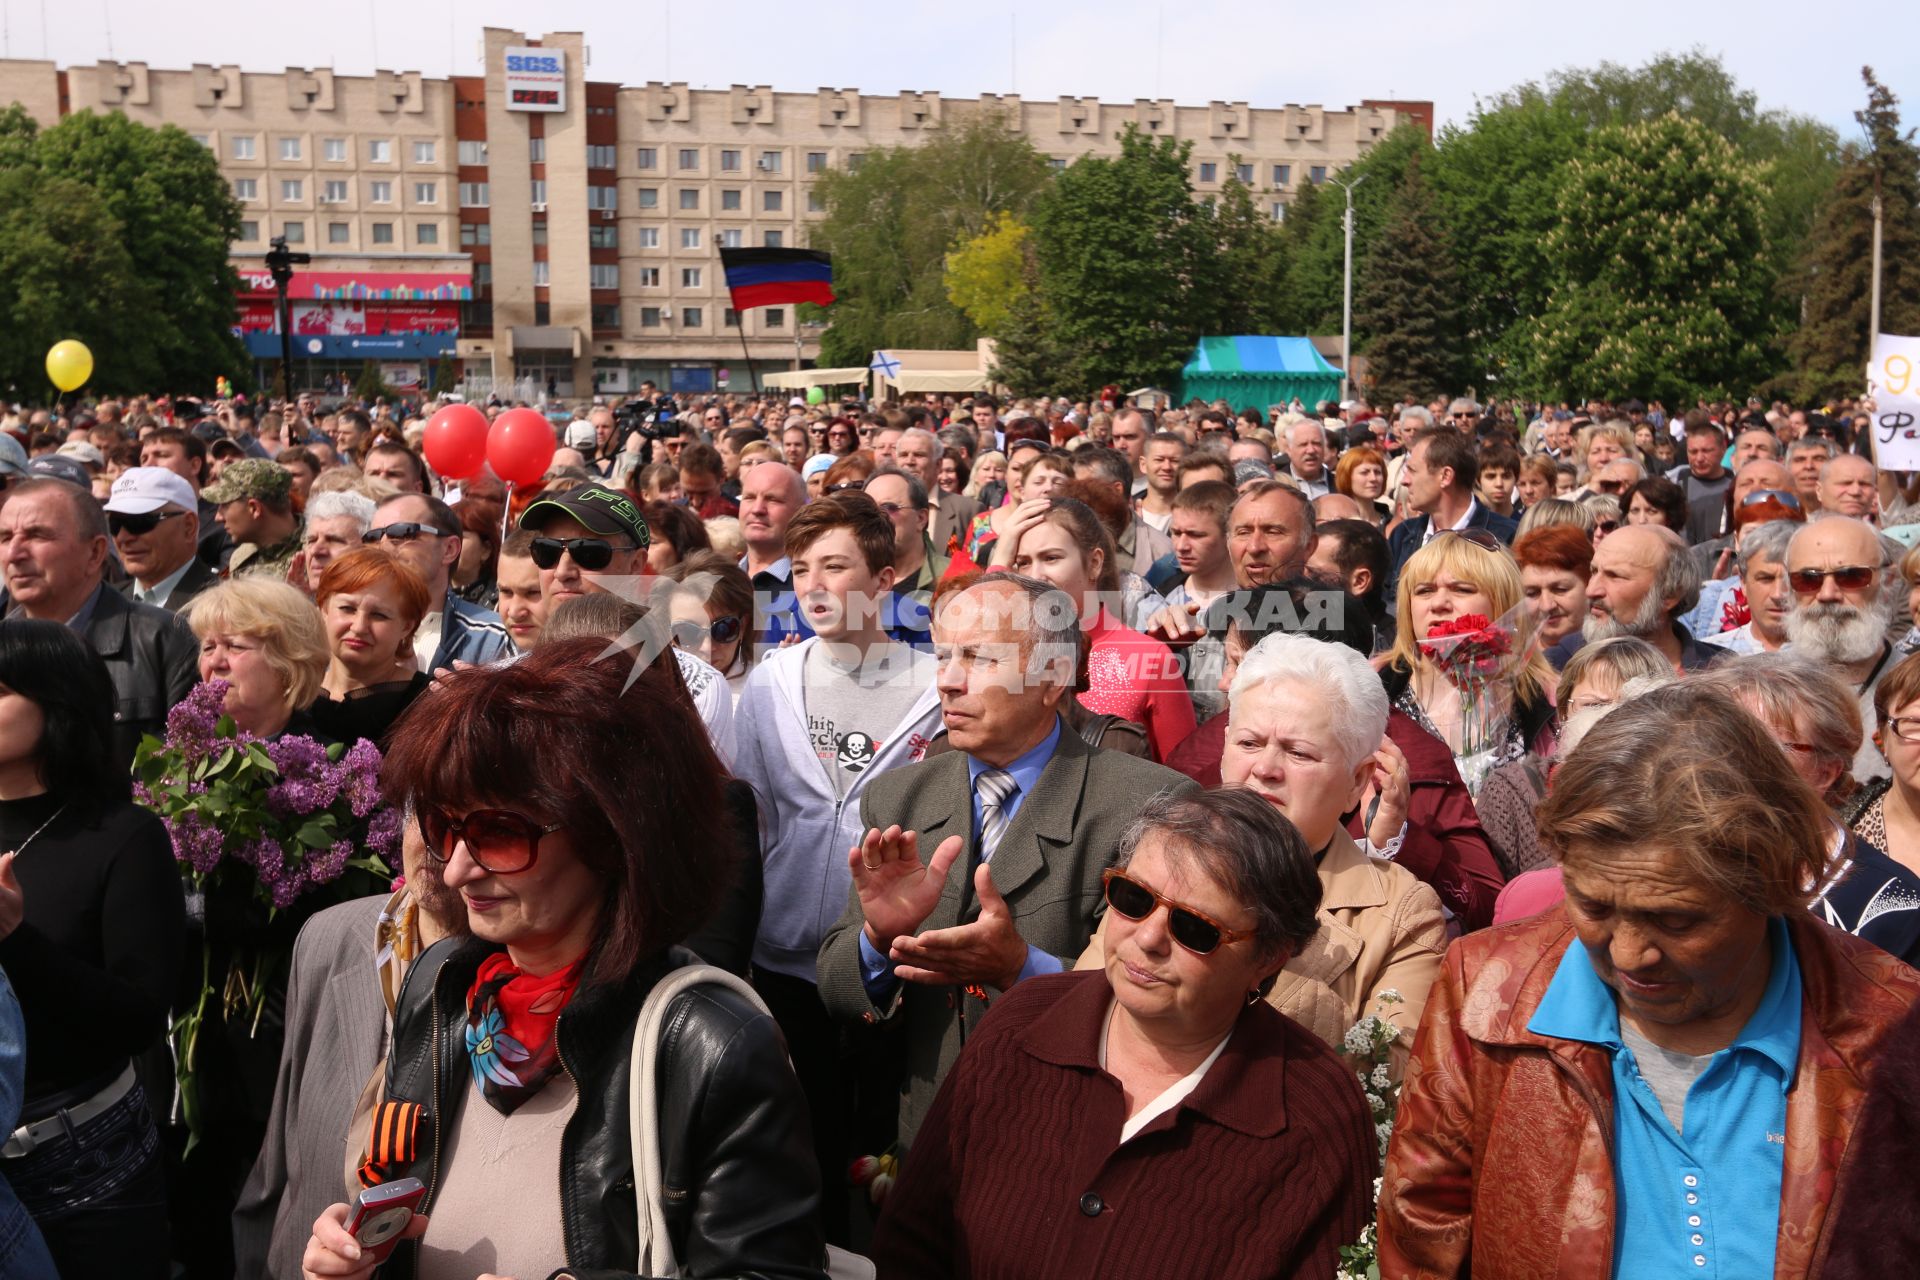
(1800, 57)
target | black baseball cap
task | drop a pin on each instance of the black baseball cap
(607, 512)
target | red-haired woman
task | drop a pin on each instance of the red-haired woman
(575, 817)
(371, 604)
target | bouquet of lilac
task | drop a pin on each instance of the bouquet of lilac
(273, 818)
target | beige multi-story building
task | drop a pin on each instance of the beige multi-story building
(547, 230)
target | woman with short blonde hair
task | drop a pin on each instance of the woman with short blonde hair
(266, 640)
(1455, 576)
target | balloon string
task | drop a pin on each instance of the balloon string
(506, 515)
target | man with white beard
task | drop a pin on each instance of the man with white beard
(1643, 582)
(1842, 606)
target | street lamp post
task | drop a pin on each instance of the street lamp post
(1346, 293)
(280, 264)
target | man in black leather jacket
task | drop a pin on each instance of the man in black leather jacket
(53, 552)
(736, 1158)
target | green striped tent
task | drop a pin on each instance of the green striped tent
(1256, 371)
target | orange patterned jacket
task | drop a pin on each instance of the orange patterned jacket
(1502, 1159)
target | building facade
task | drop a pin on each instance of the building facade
(552, 232)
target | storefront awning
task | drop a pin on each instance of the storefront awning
(365, 286)
(801, 379)
(546, 337)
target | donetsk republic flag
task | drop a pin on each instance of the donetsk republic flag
(768, 277)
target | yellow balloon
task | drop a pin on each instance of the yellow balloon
(69, 364)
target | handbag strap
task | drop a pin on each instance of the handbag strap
(643, 1109)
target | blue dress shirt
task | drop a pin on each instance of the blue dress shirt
(1706, 1202)
(876, 970)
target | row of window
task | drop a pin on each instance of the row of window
(335, 191)
(479, 195)
(732, 161)
(1282, 173)
(479, 315)
(424, 233)
(600, 275)
(603, 236)
(333, 150)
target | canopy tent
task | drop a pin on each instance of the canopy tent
(1255, 371)
(801, 379)
(925, 380)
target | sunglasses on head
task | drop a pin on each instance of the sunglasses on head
(1189, 928)
(146, 522)
(590, 554)
(1478, 537)
(1853, 577)
(498, 840)
(1780, 496)
(724, 630)
(404, 531)
(845, 485)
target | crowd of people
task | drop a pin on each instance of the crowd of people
(1054, 789)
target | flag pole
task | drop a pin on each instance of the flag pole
(752, 381)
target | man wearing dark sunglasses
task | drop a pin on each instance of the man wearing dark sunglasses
(154, 519)
(425, 534)
(1843, 606)
(584, 536)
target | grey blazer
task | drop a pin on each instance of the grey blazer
(1047, 867)
(336, 1037)
(952, 513)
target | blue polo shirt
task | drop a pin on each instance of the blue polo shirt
(1706, 1203)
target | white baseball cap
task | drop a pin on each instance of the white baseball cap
(81, 451)
(143, 489)
(580, 435)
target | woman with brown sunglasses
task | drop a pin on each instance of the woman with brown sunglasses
(572, 802)
(1160, 1079)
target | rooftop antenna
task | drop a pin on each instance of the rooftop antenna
(106, 10)
(1159, 48)
(1013, 53)
(43, 28)
(373, 29)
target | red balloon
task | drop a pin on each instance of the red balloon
(520, 445)
(455, 442)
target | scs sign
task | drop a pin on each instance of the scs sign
(536, 79)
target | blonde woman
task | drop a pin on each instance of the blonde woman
(268, 642)
(1600, 443)
(1493, 720)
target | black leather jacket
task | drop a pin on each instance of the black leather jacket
(736, 1156)
(154, 662)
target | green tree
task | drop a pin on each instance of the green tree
(1831, 347)
(1289, 310)
(1409, 299)
(1128, 260)
(1662, 282)
(1251, 262)
(986, 274)
(1316, 273)
(1031, 357)
(160, 197)
(64, 273)
(368, 385)
(891, 222)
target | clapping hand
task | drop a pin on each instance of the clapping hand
(987, 952)
(897, 892)
(1390, 782)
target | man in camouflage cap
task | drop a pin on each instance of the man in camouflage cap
(254, 500)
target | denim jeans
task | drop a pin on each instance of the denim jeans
(99, 1196)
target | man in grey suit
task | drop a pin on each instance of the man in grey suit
(1036, 812)
(919, 454)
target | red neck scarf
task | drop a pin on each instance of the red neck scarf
(511, 1017)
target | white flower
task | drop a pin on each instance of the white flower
(1359, 1038)
(1379, 1078)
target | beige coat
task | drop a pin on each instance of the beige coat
(1380, 929)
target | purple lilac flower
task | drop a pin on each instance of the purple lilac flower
(195, 842)
(360, 771)
(325, 865)
(383, 835)
(308, 782)
(191, 722)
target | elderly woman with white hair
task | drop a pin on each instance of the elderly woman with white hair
(1304, 720)
(335, 521)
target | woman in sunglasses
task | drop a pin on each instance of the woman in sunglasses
(712, 612)
(576, 808)
(1160, 1079)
